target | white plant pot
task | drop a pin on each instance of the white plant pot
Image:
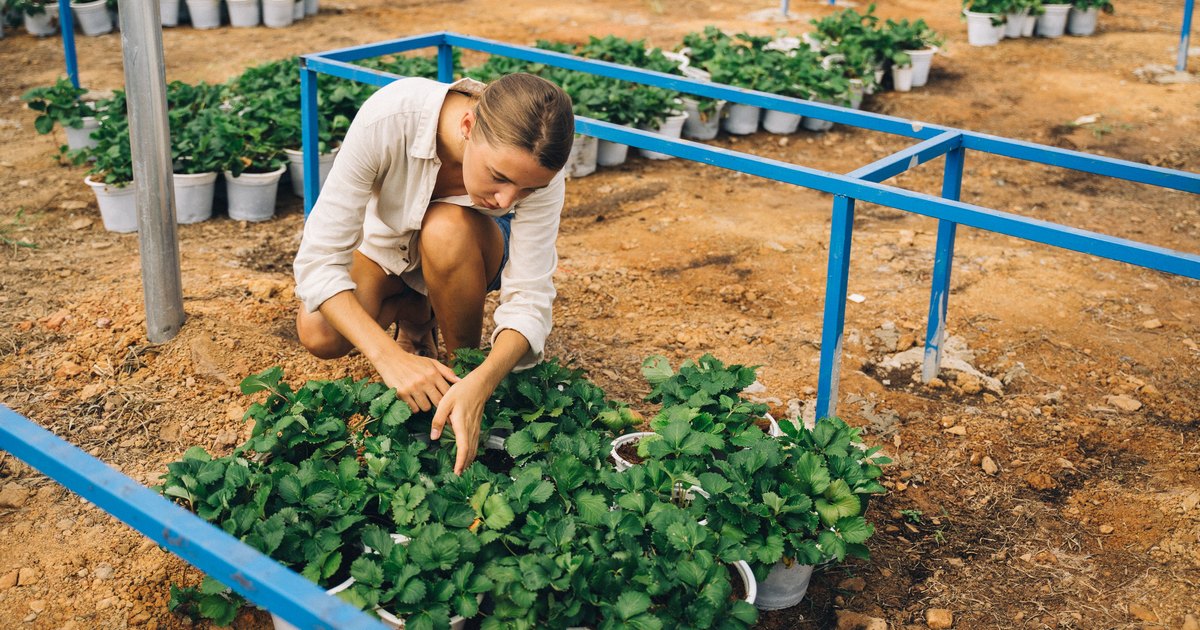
(1053, 22)
(611, 153)
(118, 205)
(242, 13)
(194, 197)
(743, 570)
(902, 78)
(169, 12)
(296, 169)
(922, 60)
(280, 624)
(277, 13)
(671, 127)
(696, 73)
(784, 587)
(298, 10)
(251, 196)
(980, 31)
(816, 124)
(582, 161)
(312, 7)
(93, 17)
(1028, 25)
(44, 24)
(741, 120)
(1013, 23)
(81, 138)
(1082, 22)
(205, 14)
(700, 126)
(857, 90)
(629, 438)
(782, 123)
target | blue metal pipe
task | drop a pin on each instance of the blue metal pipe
(240, 567)
(1185, 36)
(833, 325)
(350, 71)
(309, 135)
(66, 25)
(909, 158)
(390, 47)
(943, 260)
(445, 58)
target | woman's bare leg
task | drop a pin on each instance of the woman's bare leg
(381, 296)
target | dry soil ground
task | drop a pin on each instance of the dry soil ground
(1042, 505)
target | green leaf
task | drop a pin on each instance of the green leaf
(854, 529)
(219, 609)
(519, 444)
(367, 571)
(268, 379)
(631, 604)
(211, 586)
(497, 513)
(592, 507)
(657, 369)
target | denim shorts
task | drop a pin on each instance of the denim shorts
(505, 225)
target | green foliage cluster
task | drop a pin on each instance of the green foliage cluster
(338, 480)
(58, 104)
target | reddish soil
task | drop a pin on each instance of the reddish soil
(1043, 505)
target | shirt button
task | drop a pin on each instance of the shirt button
(404, 248)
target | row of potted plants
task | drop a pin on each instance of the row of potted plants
(40, 17)
(339, 482)
(989, 21)
(209, 14)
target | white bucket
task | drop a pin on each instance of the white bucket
(93, 17)
(783, 123)
(700, 126)
(922, 60)
(743, 570)
(194, 197)
(1013, 23)
(740, 120)
(81, 138)
(298, 10)
(784, 586)
(620, 462)
(857, 89)
(205, 14)
(118, 205)
(696, 73)
(582, 161)
(43, 24)
(277, 13)
(311, 7)
(1028, 25)
(816, 124)
(1053, 22)
(296, 169)
(252, 195)
(902, 78)
(242, 13)
(611, 153)
(672, 127)
(169, 12)
(280, 624)
(980, 31)
(1082, 22)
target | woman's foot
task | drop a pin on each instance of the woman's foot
(416, 326)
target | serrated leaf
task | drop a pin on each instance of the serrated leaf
(854, 529)
(656, 369)
(592, 507)
(497, 513)
(631, 604)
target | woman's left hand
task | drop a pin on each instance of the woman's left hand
(463, 405)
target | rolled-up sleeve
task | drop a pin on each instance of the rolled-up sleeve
(527, 282)
(334, 229)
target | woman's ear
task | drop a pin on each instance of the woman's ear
(467, 124)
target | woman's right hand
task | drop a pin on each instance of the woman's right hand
(419, 381)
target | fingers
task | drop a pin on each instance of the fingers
(447, 373)
(439, 421)
(468, 444)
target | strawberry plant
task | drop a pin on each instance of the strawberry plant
(58, 104)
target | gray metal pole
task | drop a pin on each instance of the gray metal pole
(150, 137)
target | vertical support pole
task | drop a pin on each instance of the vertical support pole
(1185, 36)
(445, 63)
(66, 25)
(310, 140)
(834, 323)
(783, 7)
(150, 141)
(939, 295)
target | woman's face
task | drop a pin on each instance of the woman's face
(496, 177)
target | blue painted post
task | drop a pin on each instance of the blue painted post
(834, 323)
(445, 63)
(1185, 36)
(309, 136)
(66, 24)
(935, 329)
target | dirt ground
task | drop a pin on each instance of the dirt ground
(1048, 503)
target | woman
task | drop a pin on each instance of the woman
(439, 194)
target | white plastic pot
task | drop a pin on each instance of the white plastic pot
(1013, 23)
(296, 169)
(1028, 25)
(701, 126)
(784, 587)
(741, 120)
(671, 127)
(205, 14)
(81, 138)
(582, 161)
(280, 624)
(277, 13)
(816, 124)
(629, 438)
(118, 206)
(696, 73)
(1053, 22)
(169, 12)
(242, 13)
(1082, 22)
(921, 62)
(743, 570)
(902, 78)
(611, 153)
(783, 123)
(44, 24)
(980, 31)
(298, 10)
(311, 7)
(194, 197)
(93, 17)
(858, 88)
(251, 196)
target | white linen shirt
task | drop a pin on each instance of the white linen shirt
(375, 199)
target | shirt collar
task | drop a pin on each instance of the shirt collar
(424, 144)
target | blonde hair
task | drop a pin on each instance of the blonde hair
(527, 112)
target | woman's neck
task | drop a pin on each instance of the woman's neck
(450, 140)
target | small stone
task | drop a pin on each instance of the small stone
(906, 238)
(30, 618)
(939, 618)
(854, 585)
(968, 383)
(103, 322)
(227, 439)
(1045, 557)
(1151, 324)
(1190, 623)
(8, 580)
(849, 620)
(103, 571)
(80, 223)
(1123, 402)
(989, 465)
(13, 496)
(74, 204)
(1149, 390)
(1106, 529)
(37, 605)
(935, 383)
(107, 602)
(1143, 613)
(1040, 481)
(67, 369)
(774, 245)
(957, 429)
(1190, 502)
(27, 576)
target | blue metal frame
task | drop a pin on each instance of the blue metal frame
(66, 25)
(1185, 36)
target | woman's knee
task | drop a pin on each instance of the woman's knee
(448, 232)
(319, 338)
